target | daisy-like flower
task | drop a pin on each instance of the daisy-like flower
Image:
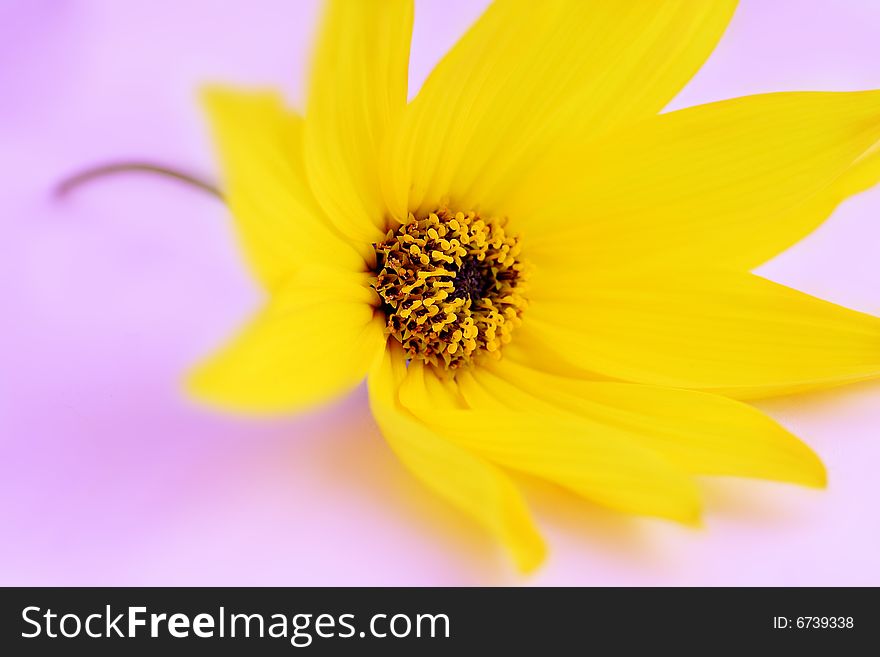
(534, 270)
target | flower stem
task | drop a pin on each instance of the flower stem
(93, 173)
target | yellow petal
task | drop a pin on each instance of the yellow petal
(516, 431)
(357, 90)
(278, 221)
(730, 183)
(466, 480)
(703, 433)
(729, 332)
(420, 383)
(530, 348)
(316, 339)
(529, 74)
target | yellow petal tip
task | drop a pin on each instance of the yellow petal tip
(690, 515)
(818, 476)
(209, 95)
(528, 558)
(695, 521)
(808, 470)
(688, 511)
(196, 386)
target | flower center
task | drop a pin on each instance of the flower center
(451, 286)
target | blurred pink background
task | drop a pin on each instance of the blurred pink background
(107, 476)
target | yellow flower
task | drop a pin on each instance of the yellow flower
(534, 270)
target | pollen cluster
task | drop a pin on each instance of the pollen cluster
(451, 286)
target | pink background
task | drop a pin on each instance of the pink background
(108, 477)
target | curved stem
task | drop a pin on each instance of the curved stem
(78, 179)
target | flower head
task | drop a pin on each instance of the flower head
(534, 270)
(451, 286)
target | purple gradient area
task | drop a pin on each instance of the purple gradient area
(108, 476)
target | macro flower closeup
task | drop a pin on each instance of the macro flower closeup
(536, 271)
